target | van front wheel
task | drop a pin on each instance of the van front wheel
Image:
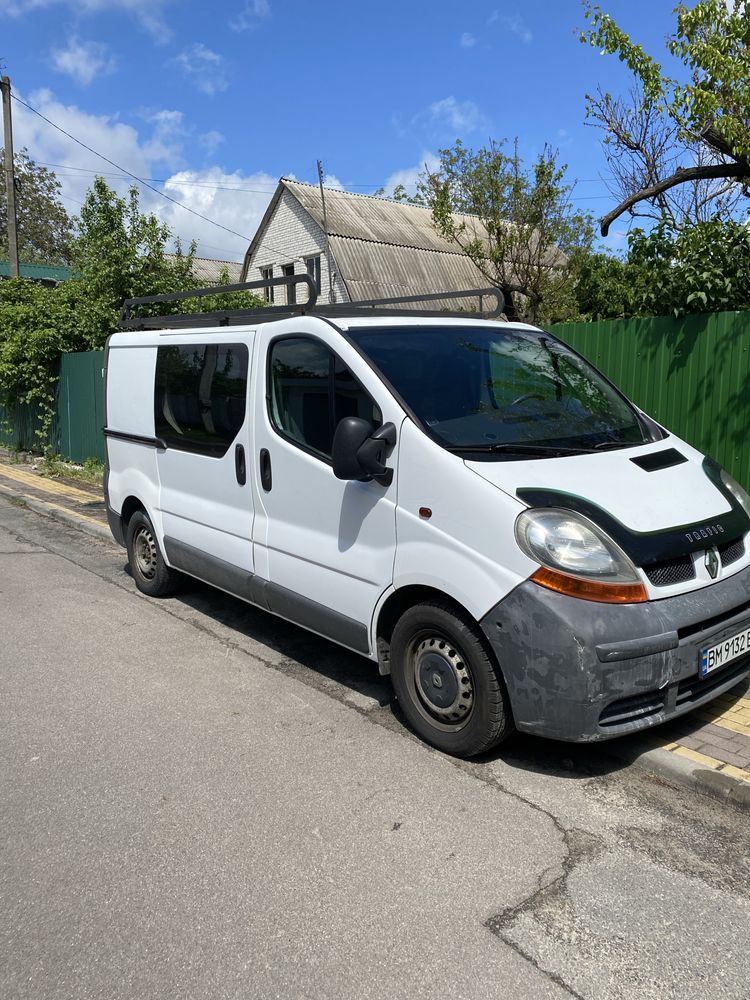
(447, 682)
(151, 574)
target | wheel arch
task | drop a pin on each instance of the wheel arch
(129, 506)
(393, 607)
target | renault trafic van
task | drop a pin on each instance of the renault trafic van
(465, 501)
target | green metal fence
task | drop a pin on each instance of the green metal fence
(76, 431)
(80, 406)
(18, 426)
(691, 374)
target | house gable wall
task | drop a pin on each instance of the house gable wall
(292, 234)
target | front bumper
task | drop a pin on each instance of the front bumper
(581, 671)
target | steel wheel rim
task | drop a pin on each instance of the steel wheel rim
(145, 553)
(440, 681)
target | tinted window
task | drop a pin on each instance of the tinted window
(311, 390)
(485, 386)
(200, 398)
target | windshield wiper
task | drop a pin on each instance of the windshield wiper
(510, 448)
(614, 445)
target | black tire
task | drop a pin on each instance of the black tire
(447, 682)
(151, 574)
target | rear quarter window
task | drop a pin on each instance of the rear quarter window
(200, 396)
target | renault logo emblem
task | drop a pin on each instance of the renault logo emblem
(712, 563)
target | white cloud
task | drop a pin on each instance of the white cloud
(84, 61)
(513, 23)
(332, 181)
(234, 200)
(148, 13)
(253, 12)
(516, 25)
(407, 177)
(155, 150)
(459, 116)
(468, 40)
(204, 67)
(210, 141)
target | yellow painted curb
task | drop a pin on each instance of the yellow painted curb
(715, 765)
(74, 514)
(47, 485)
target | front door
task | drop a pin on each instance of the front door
(326, 546)
(201, 413)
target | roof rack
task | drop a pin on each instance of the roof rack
(234, 317)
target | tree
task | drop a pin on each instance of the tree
(524, 231)
(702, 268)
(674, 132)
(45, 230)
(120, 252)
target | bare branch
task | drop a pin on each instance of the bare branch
(680, 176)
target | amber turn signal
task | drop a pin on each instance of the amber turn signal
(590, 590)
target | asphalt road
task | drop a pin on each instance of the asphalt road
(200, 801)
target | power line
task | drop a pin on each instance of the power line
(159, 180)
(283, 254)
(135, 177)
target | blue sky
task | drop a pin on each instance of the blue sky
(206, 97)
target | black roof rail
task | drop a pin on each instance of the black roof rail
(130, 322)
(233, 317)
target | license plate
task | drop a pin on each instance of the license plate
(724, 652)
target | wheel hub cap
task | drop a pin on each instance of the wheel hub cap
(145, 553)
(442, 680)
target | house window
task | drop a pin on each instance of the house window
(313, 269)
(291, 290)
(266, 274)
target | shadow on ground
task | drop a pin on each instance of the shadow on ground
(325, 665)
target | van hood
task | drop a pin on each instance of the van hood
(671, 506)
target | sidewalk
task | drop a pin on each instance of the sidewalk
(708, 748)
(72, 501)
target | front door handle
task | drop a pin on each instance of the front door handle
(266, 479)
(240, 469)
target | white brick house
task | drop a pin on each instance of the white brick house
(377, 247)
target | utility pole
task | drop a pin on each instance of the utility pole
(10, 179)
(331, 293)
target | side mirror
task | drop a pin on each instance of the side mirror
(359, 453)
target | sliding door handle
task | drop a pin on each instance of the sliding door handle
(240, 469)
(266, 478)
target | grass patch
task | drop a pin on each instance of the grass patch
(92, 470)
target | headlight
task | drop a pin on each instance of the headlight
(578, 558)
(739, 494)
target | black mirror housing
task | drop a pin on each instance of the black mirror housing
(351, 433)
(359, 453)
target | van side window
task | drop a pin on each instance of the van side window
(200, 396)
(311, 390)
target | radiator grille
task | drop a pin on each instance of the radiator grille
(671, 571)
(732, 551)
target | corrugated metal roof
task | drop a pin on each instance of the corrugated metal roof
(367, 218)
(375, 270)
(207, 270)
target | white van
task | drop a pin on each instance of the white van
(467, 502)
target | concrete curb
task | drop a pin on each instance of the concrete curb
(686, 773)
(65, 517)
(664, 764)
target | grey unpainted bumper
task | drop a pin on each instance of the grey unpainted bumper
(582, 671)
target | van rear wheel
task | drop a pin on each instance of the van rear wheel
(151, 574)
(447, 682)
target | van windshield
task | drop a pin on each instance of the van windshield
(489, 390)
